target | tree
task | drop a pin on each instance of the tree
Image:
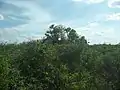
(60, 35)
(55, 34)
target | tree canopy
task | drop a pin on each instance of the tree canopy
(63, 60)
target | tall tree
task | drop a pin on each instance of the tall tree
(55, 34)
(60, 34)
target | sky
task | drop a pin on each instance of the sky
(23, 20)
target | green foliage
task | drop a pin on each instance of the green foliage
(61, 61)
(3, 72)
(60, 35)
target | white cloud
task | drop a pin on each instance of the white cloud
(92, 24)
(98, 34)
(8, 34)
(94, 32)
(114, 16)
(34, 11)
(114, 3)
(1, 17)
(89, 1)
(15, 18)
(11, 35)
(39, 19)
(101, 35)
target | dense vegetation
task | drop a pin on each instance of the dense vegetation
(62, 60)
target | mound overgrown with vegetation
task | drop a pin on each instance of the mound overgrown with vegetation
(62, 60)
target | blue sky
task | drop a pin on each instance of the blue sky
(97, 20)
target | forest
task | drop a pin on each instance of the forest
(61, 60)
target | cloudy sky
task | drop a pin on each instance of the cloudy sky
(97, 20)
